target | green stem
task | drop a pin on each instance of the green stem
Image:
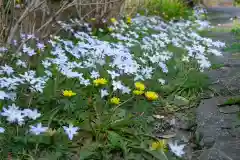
(55, 84)
(123, 103)
(114, 110)
(36, 149)
(17, 130)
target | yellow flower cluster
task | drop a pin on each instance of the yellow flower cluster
(138, 92)
(115, 100)
(129, 20)
(110, 29)
(113, 20)
(159, 145)
(68, 93)
(140, 87)
(100, 81)
(152, 96)
(93, 19)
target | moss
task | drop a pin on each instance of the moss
(231, 101)
(217, 66)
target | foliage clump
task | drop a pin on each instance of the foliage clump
(169, 9)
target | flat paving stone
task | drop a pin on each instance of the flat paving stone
(218, 130)
(230, 109)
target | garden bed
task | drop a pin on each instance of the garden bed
(98, 94)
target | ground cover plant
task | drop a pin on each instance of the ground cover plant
(92, 95)
(169, 9)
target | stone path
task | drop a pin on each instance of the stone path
(219, 127)
(227, 78)
(212, 3)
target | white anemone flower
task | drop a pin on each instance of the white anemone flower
(177, 149)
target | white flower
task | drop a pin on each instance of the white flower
(13, 114)
(48, 73)
(138, 77)
(21, 63)
(2, 130)
(30, 36)
(40, 46)
(46, 63)
(162, 81)
(10, 83)
(215, 52)
(38, 129)
(117, 85)
(70, 131)
(85, 82)
(32, 114)
(3, 49)
(37, 83)
(126, 90)
(94, 75)
(28, 50)
(12, 96)
(7, 69)
(3, 95)
(113, 74)
(104, 93)
(163, 66)
(177, 149)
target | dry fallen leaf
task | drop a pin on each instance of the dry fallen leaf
(158, 116)
(167, 136)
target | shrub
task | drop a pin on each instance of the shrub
(168, 9)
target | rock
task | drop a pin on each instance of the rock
(229, 109)
(226, 148)
(186, 125)
(183, 136)
(228, 79)
(185, 121)
(212, 154)
(214, 3)
(218, 130)
(207, 142)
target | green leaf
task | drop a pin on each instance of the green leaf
(157, 154)
(115, 139)
(84, 154)
(180, 101)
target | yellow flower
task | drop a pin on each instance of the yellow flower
(51, 132)
(115, 100)
(93, 19)
(152, 96)
(18, 1)
(38, 51)
(138, 92)
(159, 145)
(68, 93)
(129, 20)
(139, 86)
(110, 29)
(113, 20)
(100, 81)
